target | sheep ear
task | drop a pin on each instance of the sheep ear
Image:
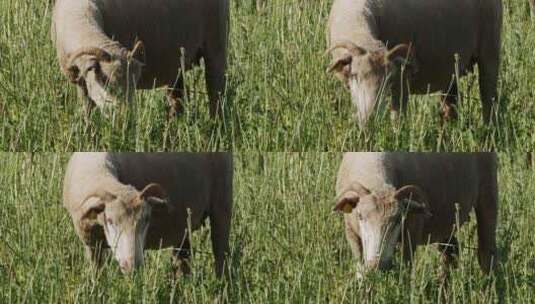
(349, 199)
(95, 206)
(154, 194)
(340, 63)
(347, 202)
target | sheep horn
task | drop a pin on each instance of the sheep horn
(412, 191)
(348, 45)
(99, 53)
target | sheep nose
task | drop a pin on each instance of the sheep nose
(126, 266)
(372, 264)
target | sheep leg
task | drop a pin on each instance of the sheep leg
(215, 64)
(488, 62)
(488, 80)
(487, 215)
(220, 217)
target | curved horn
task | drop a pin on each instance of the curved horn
(73, 70)
(414, 193)
(348, 45)
(99, 53)
(400, 50)
(100, 193)
(406, 192)
(154, 194)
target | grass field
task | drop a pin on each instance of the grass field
(287, 246)
(279, 97)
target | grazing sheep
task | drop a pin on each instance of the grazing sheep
(108, 48)
(135, 201)
(416, 198)
(412, 46)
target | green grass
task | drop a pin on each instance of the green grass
(287, 245)
(279, 97)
